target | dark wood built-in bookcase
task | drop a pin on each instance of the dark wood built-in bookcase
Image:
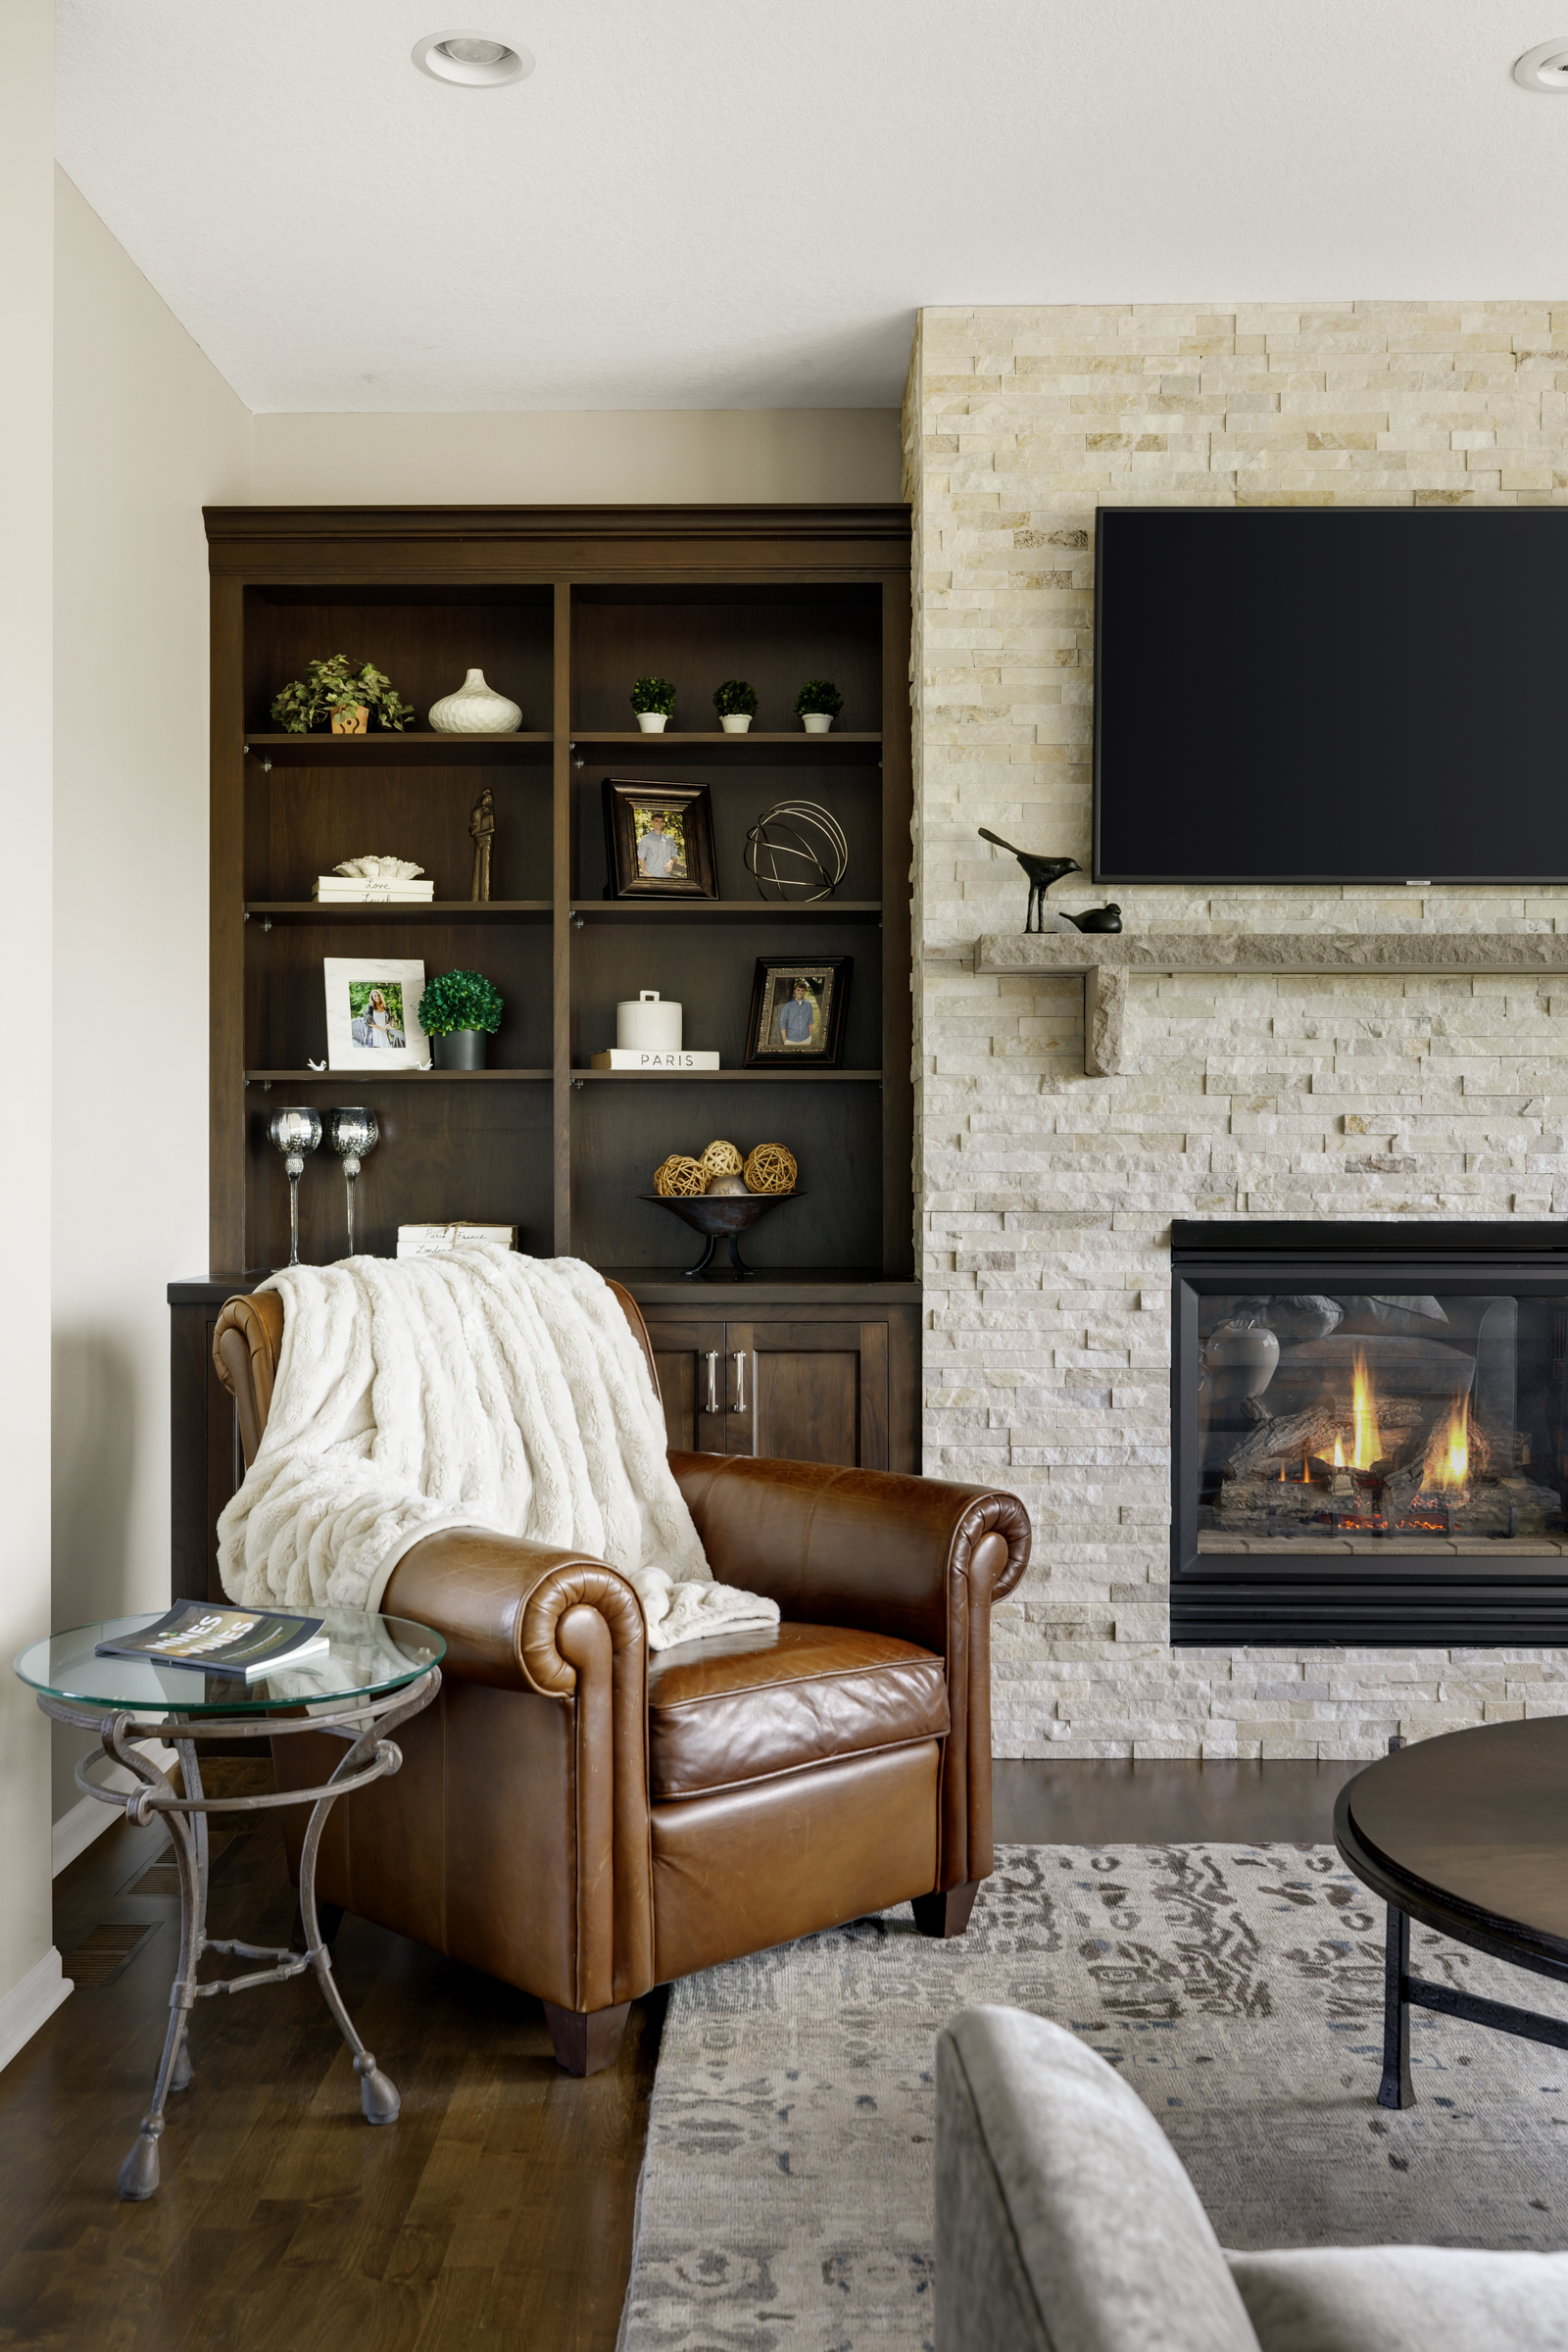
(562, 607)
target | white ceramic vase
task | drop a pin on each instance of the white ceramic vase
(735, 723)
(476, 710)
(817, 722)
(652, 722)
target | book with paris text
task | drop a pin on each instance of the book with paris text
(243, 1643)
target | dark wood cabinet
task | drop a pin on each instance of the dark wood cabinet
(791, 1373)
(563, 608)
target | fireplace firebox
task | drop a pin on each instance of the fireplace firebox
(1370, 1434)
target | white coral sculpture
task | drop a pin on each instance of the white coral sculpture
(379, 869)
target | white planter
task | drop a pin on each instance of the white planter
(647, 1024)
(476, 710)
(735, 723)
(817, 722)
(652, 722)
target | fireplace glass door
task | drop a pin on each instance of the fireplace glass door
(1401, 1420)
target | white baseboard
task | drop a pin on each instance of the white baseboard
(27, 2005)
(87, 1819)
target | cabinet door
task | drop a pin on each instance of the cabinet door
(689, 1358)
(808, 1393)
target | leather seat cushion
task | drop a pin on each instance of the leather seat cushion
(745, 1706)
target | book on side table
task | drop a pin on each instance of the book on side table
(243, 1643)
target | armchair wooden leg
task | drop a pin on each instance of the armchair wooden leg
(947, 1913)
(586, 2043)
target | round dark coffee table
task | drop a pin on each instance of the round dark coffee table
(1467, 1832)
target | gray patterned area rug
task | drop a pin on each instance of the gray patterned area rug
(786, 2198)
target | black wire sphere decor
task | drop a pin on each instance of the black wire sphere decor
(796, 852)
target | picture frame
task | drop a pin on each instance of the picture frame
(800, 1006)
(658, 841)
(373, 1013)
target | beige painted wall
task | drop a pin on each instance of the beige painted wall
(1047, 1194)
(30, 1970)
(145, 431)
(602, 457)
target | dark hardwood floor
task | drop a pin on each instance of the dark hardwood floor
(498, 2211)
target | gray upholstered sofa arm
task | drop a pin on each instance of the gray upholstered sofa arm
(1066, 2223)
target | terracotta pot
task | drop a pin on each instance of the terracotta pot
(352, 722)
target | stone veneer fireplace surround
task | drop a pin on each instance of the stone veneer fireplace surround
(1395, 1054)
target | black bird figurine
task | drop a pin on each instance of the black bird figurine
(1041, 872)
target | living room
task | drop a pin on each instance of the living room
(949, 740)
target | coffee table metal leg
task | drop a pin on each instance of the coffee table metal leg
(379, 2099)
(1394, 2089)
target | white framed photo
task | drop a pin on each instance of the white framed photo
(373, 1013)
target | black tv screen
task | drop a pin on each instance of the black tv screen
(1330, 695)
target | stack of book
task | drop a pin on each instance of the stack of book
(352, 890)
(420, 1241)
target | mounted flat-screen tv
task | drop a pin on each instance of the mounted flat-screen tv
(1291, 694)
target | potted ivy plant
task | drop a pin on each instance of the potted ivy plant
(457, 1011)
(335, 690)
(817, 705)
(736, 704)
(653, 700)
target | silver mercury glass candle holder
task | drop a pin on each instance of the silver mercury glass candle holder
(295, 1129)
(352, 1134)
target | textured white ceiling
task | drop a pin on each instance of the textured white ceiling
(721, 203)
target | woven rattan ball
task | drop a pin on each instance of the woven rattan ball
(721, 1159)
(679, 1178)
(770, 1169)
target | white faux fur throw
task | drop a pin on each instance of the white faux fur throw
(474, 1388)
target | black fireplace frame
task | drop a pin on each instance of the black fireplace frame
(1414, 1601)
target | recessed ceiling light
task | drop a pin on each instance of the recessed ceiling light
(473, 60)
(1544, 68)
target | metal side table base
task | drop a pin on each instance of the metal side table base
(371, 1756)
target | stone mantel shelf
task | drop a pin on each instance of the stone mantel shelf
(1106, 958)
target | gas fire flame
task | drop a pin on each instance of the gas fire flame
(1367, 1447)
(1447, 1455)
(1338, 1455)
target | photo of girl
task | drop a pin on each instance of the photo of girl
(376, 1014)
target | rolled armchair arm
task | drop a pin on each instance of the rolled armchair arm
(506, 1609)
(862, 1548)
(914, 1557)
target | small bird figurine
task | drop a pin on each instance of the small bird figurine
(1041, 872)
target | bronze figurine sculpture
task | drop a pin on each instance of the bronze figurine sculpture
(482, 826)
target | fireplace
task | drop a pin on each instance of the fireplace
(1370, 1434)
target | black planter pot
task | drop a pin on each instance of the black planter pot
(462, 1050)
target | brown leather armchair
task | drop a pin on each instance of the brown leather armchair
(585, 1819)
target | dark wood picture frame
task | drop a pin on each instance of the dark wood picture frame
(693, 804)
(763, 1051)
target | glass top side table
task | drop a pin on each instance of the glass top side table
(378, 1673)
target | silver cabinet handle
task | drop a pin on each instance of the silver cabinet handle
(740, 1380)
(712, 1380)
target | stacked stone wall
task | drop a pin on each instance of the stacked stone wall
(1046, 1196)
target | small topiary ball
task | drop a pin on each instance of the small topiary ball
(721, 1159)
(680, 1178)
(770, 1169)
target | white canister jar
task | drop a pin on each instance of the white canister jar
(647, 1024)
